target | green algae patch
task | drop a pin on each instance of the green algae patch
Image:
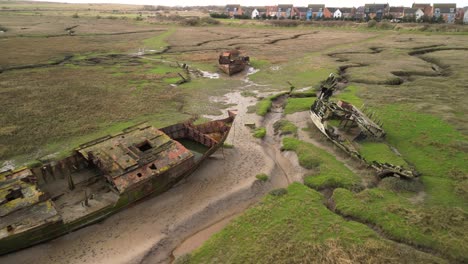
(294, 105)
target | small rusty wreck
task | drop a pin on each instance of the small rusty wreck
(232, 62)
(346, 125)
(100, 178)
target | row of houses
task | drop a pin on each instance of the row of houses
(447, 12)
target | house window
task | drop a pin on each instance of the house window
(144, 146)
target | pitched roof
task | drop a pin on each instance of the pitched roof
(411, 10)
(332, 9)
(422, 6)
(283, 7)
(397, 9)
(376, 7)
(232, 7)
(446, 8)
(316, 7)
(346, 10)
(302, 9)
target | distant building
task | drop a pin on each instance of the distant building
(447, 11)
(285, 11)
(415, 13)
(233, 10)
(459, 15)
(376, 11)
(396, 11)
(301, 12)
(272, 11)
(258, 12)
(347, 12)
(334, 12)
(426, 8)
(465, 17)
(360, 13)
(255, 14)
(315, 11)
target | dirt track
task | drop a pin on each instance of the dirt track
(150, 231)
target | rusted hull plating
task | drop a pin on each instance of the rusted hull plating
(231, 69)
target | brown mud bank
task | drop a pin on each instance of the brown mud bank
(178, 221)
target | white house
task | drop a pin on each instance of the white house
(255, 13)
(465, 17)
(337, 13)
(419, 14)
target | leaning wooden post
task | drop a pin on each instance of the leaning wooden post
(86, 203)
(71, 185)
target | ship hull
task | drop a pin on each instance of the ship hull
(231, 69)
(142, 190)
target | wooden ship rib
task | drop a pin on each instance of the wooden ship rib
(100, 178)
(354, 126)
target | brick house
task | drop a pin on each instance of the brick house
(233, 10)
(376, 11)
(360, 14)
(271, 11)
(396, 11)
(301, 12)
(347, 12)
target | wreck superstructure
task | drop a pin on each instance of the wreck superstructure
(345, 125)
(232, 62)
(101, 177)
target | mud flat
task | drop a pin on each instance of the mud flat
(150, 231)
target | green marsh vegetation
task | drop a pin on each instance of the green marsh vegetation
(285, 127)
(296, 227)
(259, 132)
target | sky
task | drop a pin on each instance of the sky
(330, 3)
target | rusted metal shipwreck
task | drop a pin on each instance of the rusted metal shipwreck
(100, 178)
(345, 125)
(232, 62)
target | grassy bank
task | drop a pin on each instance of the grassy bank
(297, 228)
(330, 173)
(438, 228)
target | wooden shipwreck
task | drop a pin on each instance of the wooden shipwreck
(100, 178)
(232, 62)
(345, 125)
